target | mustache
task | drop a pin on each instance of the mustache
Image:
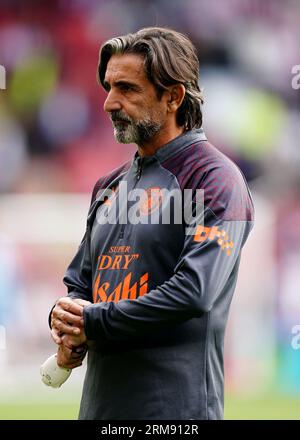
(119, 116)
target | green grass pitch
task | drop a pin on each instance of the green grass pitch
(268, 407)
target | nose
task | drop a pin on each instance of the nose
(112, 103)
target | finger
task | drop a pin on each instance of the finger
(67, 363)
(73, 356)
(65, 328)
(68, 318)
(74, 341)
(55, 336)
(63, 356)
(69, 305)
(67, 358)
(82, 302)
(68, 341)
(75, 365)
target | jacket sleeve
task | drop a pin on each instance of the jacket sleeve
(205, 266)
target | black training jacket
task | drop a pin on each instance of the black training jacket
(160, 295)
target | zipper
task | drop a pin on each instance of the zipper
(121, 235)
(138, 176)
(140, 168)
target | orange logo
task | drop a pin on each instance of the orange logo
(116, 261)
(123, 290)
(204, 233)
(151, 201)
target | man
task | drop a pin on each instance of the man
(150, 300)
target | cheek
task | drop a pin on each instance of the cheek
(159, 113)
(154, 109)
(161, 106)
(134, 109)
(146, 109)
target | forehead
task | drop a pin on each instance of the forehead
(121, 67)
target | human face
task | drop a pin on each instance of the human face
(136, 112)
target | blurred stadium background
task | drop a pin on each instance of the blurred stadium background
(55, 141)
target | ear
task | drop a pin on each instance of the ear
(176, 96)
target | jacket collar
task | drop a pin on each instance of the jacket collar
(175, 145)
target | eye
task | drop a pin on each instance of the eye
(125, 87)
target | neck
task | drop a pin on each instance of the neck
(150, 147)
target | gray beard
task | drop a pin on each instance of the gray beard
(136, 132)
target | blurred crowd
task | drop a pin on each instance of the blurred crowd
(56, 138)
(54, 135)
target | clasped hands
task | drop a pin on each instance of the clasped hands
(67, 331)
